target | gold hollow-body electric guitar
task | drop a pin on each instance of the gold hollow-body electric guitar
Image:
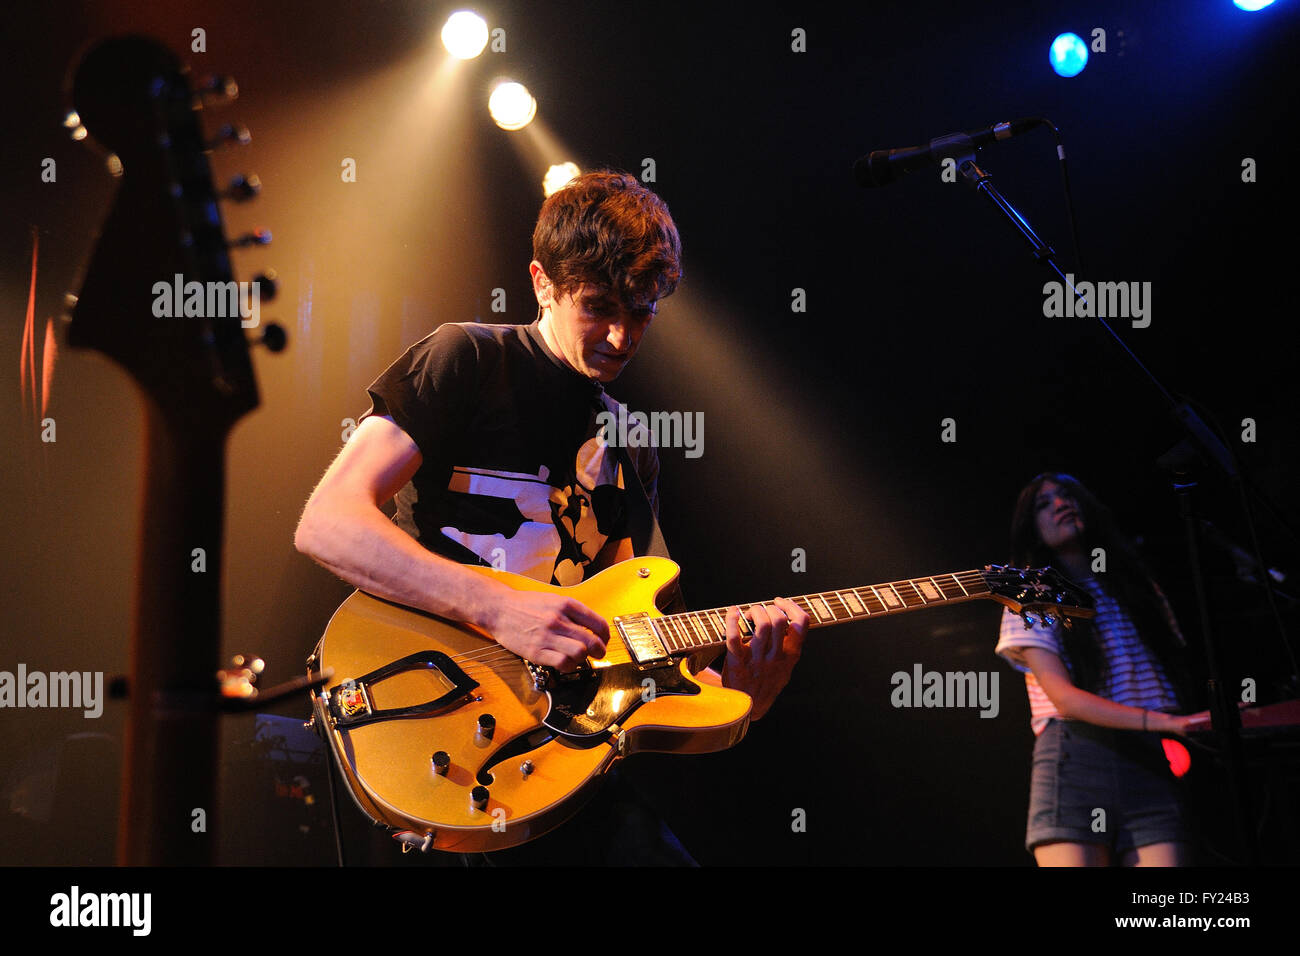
(459, 744)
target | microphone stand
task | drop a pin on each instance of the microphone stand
(1225, 719)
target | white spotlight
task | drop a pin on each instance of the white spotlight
(511, 105)
(557, 177)
(465, 34)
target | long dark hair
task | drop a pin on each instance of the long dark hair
(1126, 579)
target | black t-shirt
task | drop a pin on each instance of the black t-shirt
(513, 473)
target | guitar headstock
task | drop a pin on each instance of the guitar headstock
(1041, 592)
(159, 297)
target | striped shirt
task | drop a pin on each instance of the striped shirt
(1132, 674)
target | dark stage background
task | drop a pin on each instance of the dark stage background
(822, 427)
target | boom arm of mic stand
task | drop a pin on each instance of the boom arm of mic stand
(982, 183)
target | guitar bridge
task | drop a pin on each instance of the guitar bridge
(541, 676)
(547, 678)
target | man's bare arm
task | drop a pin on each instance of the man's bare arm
(343, 529)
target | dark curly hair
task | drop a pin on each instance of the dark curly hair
(606, 229)
(1126, 579)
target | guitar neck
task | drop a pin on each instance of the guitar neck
(170, 759)
(696, 630)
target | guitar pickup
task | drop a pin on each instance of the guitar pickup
(638, 633)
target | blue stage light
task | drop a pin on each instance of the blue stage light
(1069, 54)
(1252, 5)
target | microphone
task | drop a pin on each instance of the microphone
(884, 166)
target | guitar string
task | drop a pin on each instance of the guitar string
(488, 657)
(485, 655)
(708, 614)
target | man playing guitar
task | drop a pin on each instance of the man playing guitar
(488, 438)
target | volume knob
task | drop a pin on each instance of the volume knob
(441, 762)
(478, 798)
(487, 726)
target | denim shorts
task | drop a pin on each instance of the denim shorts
(1098, 785)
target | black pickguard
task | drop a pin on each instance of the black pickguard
(587, 707)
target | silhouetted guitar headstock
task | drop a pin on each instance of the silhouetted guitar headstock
(159, 296)
(1038, 591)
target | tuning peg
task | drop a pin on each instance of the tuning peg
(231, 133)
(218, 89)
(258, 237)
(273, 337)
(268, 285)
(1028, 619)
(243, 188)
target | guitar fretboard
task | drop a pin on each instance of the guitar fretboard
(693, 630)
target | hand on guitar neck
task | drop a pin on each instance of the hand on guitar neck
(761, 665)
